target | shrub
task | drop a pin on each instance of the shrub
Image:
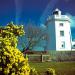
(50, 71)
(12, 61)
(33, 71)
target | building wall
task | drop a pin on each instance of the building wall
(51, 45)
(55, 41)
(73, 45)
(66, 39)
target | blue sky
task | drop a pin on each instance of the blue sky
(21, 11)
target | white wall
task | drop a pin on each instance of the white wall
(67, 32)
(53, 29)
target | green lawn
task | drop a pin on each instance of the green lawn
(61, 68)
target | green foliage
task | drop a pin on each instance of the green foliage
(12, 61)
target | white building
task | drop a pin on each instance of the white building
(58, 28)
(73, 45)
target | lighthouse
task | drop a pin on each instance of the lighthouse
(59, 32)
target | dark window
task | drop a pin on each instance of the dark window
(62, 44)
(61, 33)
(61, 24)
(55, 13)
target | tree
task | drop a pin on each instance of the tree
(12, 61)
(34, 34)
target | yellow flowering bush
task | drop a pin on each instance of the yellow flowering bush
(33, 71)
(50, 71)
(12, 61)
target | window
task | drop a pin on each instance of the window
(63, 44)
(55, 13)
(61, 33)
(61, 24)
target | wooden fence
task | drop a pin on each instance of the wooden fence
(38, 57)
(52, 56)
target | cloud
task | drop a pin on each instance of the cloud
(43, 26)
(72, 19)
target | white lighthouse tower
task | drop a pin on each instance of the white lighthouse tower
(58, 29)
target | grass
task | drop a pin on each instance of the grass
(61, 68)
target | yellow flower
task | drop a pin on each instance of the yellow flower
(6, 71)
(0, 68)
(13, 74)
(51, 70)
(10, 56)
(0, 60)
(16, 64)
(22, 74)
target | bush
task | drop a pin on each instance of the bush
(33, 71)
(50, 71)
(12, 61)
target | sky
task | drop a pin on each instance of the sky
(37, 11)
